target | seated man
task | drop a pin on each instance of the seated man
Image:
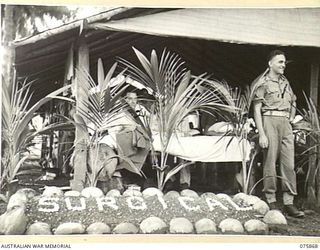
(132, 139)
(125, 137)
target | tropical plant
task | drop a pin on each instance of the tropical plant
(16, 136)
(98, 112)
(176, 94)
(240, 124)
(311, 126)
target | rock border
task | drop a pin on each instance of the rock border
(14, 220)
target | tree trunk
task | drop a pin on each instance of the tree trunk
(9, 52)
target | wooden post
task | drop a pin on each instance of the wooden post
(313, 199)
(314, 83)
(80, 156)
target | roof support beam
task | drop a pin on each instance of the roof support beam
(80, 156)
(314, 83)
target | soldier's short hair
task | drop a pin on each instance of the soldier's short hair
(274, 53)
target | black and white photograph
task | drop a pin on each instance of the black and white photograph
(123, 120)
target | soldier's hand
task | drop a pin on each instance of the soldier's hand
(263, 141)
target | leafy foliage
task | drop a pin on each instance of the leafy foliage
(176, 94)
(240, 122)
(98, 111)
(26, 18)
(16, 136)
(311, 125)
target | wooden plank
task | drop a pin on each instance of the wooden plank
(314, 83)
(80, 157)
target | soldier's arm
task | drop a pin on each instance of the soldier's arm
(263, 140)
(293, 104)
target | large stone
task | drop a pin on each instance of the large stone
(125, 228)
(29, 192)
(250, 200)
(70, 228)
(172, 194)
(205, 226)
(230, 225)
(52, 191)
(208, 195)
(39, 228)
(239, 198)
(180, 226)
(72, 193)
(13, 222)
(92, 192)
(17, 200)
(223, 196)
(152, 191)
(256, 227)
(275, 217)
(153, 225)
(131, 192)
(98, 228)
(189, 193)
(114, 193)
(261, 207)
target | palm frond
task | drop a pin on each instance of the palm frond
(177, 93)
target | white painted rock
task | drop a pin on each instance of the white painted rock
(205, 226)
(180, 226)
(239, 198)
(189, 193)
(152, 191)
(72, 193)
(52, 191)
(17, 200)
(172, 194)
(275, 217)
(261, 207)
(251, 200)
(29, 192)
(98, 228)
(113, 193)
(230, 225)
(208, 195)
(153, 225)
(125, 228)
(256, 227)
(13, 222)
(92, 192)
(130, 192)
(223, 196)
(39, 228)
(70, 228)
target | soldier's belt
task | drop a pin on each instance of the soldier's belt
(276, 113)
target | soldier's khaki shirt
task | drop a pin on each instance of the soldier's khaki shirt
(274, 95)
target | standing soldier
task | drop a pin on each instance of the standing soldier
(274, 110)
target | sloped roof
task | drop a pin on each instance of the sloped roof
(287, 27)
(278, 26)
(43, 56)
